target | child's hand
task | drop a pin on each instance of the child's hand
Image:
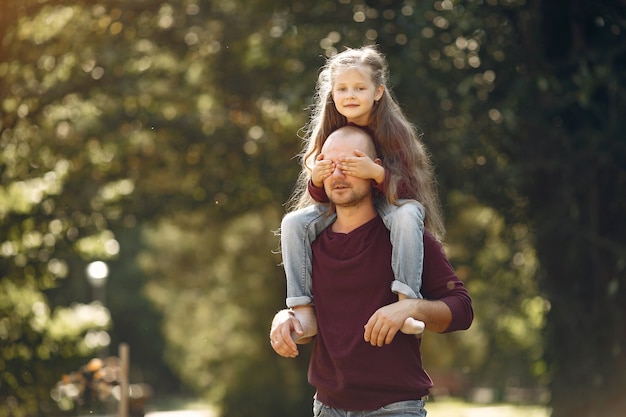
(322, 169)
(362, 166)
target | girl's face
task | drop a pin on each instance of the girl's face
(354, 94)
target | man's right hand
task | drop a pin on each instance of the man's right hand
(283, 325)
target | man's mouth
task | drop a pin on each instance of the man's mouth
(341, 186)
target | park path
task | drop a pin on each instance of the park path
(181, 413)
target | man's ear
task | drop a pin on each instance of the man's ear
(378, 161)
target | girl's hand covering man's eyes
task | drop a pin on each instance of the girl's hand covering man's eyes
(361, 166)
(322, 169)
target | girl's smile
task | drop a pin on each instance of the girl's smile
(354, 94)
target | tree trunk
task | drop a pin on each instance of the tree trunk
(576, 170)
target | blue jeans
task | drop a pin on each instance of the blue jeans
(300, 228)
(399, 409)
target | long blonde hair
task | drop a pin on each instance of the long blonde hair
(408, 168)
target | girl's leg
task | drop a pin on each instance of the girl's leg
(406, 225)
(411, 325)
(298, 230)
(308, 320)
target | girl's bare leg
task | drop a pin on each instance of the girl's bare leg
(411, 325)
(306, 316)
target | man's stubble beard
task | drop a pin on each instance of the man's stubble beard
(357, 198)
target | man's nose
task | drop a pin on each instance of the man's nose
(338, 172)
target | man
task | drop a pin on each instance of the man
(360, 362)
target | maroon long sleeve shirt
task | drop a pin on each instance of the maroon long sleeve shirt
(352, 277)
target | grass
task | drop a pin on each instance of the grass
(440, 408)
(452, 408)
(177, 403)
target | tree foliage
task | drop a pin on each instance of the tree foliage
(160, 136)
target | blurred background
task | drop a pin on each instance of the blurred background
(147, 149)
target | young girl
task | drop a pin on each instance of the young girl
(351, 89)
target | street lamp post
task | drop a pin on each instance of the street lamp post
(97, 274)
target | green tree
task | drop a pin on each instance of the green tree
(541, 142)
(217, 319)
(574, 178)
(114, 116)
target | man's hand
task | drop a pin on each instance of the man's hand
(283, 325)
(382, 327)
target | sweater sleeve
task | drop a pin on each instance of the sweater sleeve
(317, 193)
(440, 282)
